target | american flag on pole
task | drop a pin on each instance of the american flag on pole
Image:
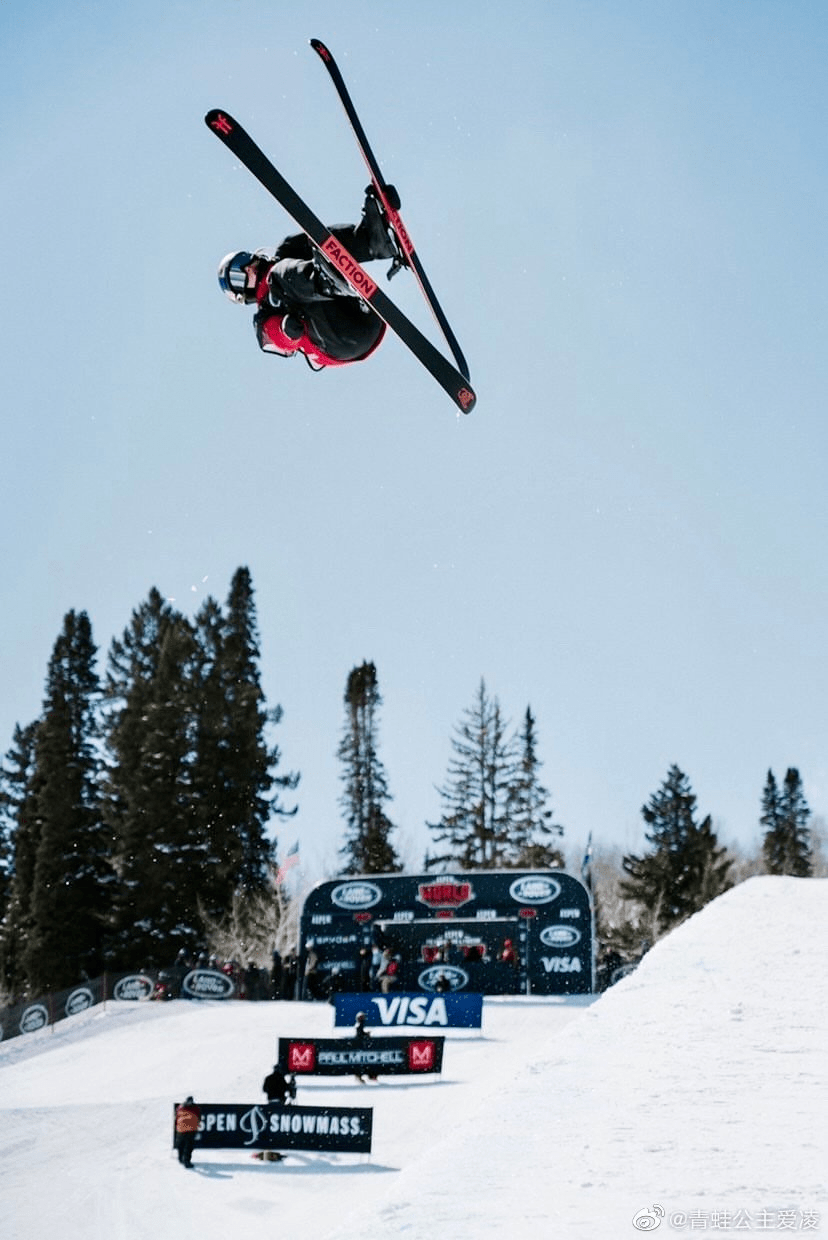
(291, 859)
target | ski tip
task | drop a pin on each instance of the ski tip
(466, 399)
(319, 46)
(220, 122)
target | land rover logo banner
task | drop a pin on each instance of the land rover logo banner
(40, 1011)
(347, 1056)
(346, 1130)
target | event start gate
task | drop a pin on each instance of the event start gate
(488, 931)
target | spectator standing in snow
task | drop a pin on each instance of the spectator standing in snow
(362, 1037)
(313, 977)
(364, 968)
(251, 981)
(278, 1087)
(289, 972)
(187, 1119)
(275, 975)
(388, 971)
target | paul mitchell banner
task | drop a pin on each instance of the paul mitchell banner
(346, 1056)
(344, 1130)
(453, 1010)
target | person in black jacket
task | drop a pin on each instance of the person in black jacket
(303, 302)
(279, 1087)
(362, 1037)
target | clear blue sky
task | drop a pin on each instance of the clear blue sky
(622, 206)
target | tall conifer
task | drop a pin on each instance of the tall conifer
(368, 848)
(159, 851)
(477, 794)
(72, 879)
(685, 868)
(19, 811)
(250, 796)
(530, 819)
(786, 844)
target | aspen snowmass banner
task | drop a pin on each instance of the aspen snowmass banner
(346, 1130)
(377, 1056)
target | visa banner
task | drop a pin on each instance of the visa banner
(452, 1010)
(347, 1056)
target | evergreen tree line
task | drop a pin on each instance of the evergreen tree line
(496, 811)
(685, 867)
(138, 805)
(496, 814)
(135, 812)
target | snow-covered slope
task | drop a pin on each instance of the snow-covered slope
(696, 1088)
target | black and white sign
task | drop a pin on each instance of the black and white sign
(346, 1130)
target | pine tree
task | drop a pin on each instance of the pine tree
(190, 784)
(13, 779)
(72, 879)
(368, 848)
(686, 868)
(250, 795)
(771, 820)
(159, 850)
(477, 794)
(234, 769)
(213, 742)
(530, 819)
(5, 857)
(17, 804)
(786, 845)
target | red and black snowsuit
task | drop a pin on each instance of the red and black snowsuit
(298, 291)
(187, 1119)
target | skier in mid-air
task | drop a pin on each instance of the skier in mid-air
(327, 307)
(303, 305)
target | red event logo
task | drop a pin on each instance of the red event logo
(301, 1057)
(445, 893)
(421, 1056)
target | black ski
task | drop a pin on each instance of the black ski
(236, 138)
(390, 204)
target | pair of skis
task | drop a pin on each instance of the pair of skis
(453, 378)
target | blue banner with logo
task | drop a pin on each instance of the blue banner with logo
(453, 1010)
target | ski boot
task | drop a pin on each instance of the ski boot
(376, 224)
(400, 260)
